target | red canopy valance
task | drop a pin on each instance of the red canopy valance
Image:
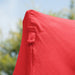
(47, 46)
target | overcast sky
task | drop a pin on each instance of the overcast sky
(12, 10)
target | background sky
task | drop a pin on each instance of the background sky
(12, 10)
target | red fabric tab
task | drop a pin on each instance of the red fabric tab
(31, 37)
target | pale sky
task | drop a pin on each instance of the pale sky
(12, 10)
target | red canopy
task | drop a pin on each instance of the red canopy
(47, 46)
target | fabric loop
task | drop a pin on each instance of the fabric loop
(31, 37)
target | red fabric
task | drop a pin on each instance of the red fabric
(47, 46)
